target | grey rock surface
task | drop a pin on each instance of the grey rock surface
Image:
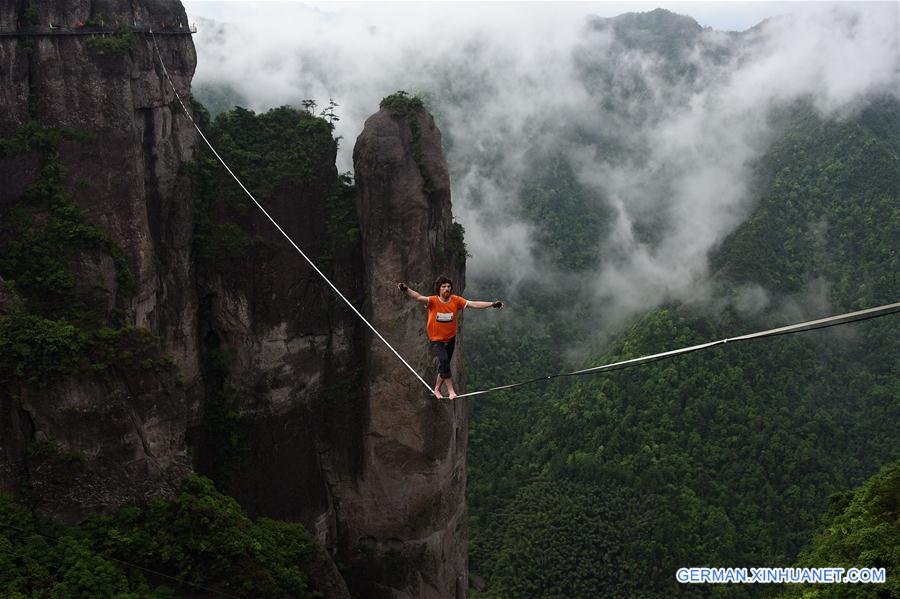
(405, 516)
(127, 433)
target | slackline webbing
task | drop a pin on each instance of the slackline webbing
(810, 325)
(272, 220)
(794, 328)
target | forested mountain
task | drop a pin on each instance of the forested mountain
(726, 457)
(604, 485)
(861, 526)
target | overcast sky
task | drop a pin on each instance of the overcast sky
(503, 74)
(721, 15)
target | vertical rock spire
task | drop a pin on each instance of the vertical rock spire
(406, 521)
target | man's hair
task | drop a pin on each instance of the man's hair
(440, 281)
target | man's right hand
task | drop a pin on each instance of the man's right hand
(402, 286)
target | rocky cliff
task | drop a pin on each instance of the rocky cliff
(153, 323)
(406, 512)
(96, 229)
(326, 426)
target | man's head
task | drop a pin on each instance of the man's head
(443, 286)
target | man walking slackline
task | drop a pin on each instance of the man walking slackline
(443, 314)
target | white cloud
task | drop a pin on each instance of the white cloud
(506, 83)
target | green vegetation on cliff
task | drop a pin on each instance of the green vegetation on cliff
(200, 543)
(65, 291)
(272, 154)
(119, 43)
(45, 234)
(401, 103)
(286, 158)
(52, 258)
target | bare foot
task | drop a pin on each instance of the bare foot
(438, 394)
(452, 395)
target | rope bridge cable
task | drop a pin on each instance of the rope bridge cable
(810, 325)
(272, 220)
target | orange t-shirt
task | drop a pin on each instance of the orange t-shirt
(442, 318)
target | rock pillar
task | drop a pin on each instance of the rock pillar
(405, 519)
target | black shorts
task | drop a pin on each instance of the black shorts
(444, 352)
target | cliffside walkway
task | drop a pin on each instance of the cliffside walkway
(94, 31)
(810, 325)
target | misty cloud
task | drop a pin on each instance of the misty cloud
(664, 142)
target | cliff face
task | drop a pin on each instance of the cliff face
(326, 425)
(150, 352)
(127, 428)
(405, 515)
(283, 356)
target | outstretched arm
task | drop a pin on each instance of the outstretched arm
(422, 299)
(480, 305)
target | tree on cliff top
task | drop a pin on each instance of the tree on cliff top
(200, 541)
(400, 102)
